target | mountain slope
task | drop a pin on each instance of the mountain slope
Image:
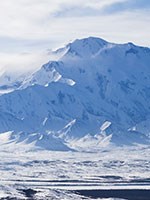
(93, 82)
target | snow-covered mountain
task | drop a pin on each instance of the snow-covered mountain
(97, 91)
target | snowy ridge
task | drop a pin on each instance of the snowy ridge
(47, 74)
(97, 94)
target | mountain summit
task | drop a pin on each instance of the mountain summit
(97, 91)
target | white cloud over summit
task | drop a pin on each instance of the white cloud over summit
(36, 25)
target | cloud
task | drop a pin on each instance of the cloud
(84, 8)
(35, 25)
(36, 21)
(26, 19)
(22, 63)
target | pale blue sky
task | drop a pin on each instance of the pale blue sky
(129, 5)
(34, 26)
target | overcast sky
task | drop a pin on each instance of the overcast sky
(29, 27)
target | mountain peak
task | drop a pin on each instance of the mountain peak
(90, 41)
(86, 47)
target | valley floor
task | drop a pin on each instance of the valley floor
(40, 174)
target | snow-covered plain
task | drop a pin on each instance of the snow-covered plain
(52, 173)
